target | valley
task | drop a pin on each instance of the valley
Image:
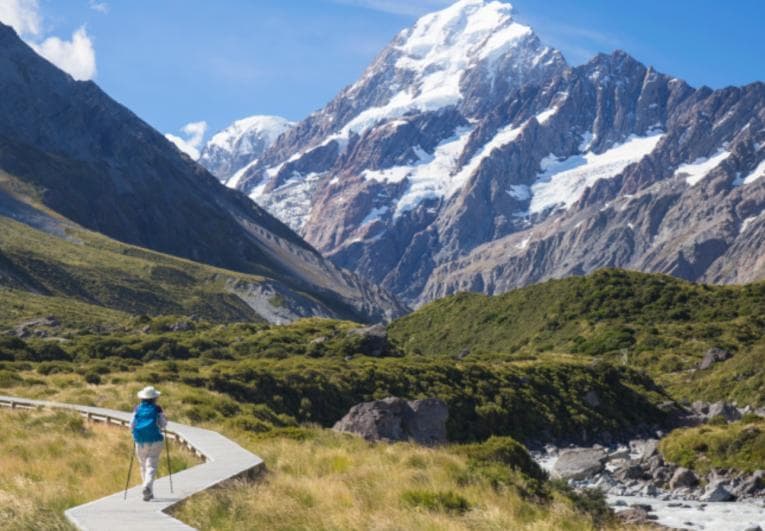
(483, 287)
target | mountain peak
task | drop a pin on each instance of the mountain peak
(473, 49)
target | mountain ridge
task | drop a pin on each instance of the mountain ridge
(99, 165)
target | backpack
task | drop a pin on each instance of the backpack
(146, 426)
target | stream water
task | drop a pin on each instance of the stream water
(681, 514)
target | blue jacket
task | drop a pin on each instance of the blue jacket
(147, 423)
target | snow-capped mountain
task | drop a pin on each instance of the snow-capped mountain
(471, 156)
(229, 151)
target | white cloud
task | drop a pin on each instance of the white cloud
(76, 57)
(101, 7)
(195, 134)
(399, 7)
(22, 15)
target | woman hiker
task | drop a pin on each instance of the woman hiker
(146, 425)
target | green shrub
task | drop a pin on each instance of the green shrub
(442, 501)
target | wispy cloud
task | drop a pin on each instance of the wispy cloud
(399, 7)
(101, 7)
(195, 134)
(22, 15)
(577, 43)
(77, 56)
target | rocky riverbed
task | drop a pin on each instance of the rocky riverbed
(641, 486)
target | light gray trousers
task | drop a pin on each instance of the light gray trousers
(148, 455)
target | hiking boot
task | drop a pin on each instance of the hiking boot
(147, 494)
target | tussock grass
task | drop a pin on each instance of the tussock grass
(53, 460)
(317, 479)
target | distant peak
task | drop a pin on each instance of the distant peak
(270, 127)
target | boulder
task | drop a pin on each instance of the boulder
(647, 448)
(750, 485)
(373, 341)
(683, 478)
(712, 356)
(396, 419)
(427, 423)
(636, 515)
(629, 471)
(723, 409)
(700, 408)
(579, 463)
(716, 492)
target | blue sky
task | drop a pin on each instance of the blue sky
(178, 61)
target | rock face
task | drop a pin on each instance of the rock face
(395, 419)
(580, 463)
(97, 164)
(470, 156)
(712, 356)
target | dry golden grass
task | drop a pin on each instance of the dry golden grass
(315, 479)
(329, 481)
(53, 460)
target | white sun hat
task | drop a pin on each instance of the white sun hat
(148, 393)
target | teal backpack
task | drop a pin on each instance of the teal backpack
(146, 426)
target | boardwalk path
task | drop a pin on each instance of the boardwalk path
(223, 458)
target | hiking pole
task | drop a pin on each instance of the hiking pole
(169, 469)
(130, 470)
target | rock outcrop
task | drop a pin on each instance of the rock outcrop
(712, 356)
(395, 419)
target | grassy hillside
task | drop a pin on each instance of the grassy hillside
(55, 460)
(93, 269)
(654, 322)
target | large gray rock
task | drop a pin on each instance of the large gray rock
(683, 478)
(580, 463)
(712, 356)
(717, 492)
(725, 410)
(395, 419)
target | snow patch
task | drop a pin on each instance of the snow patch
(562, 181)
(699, 168)
(758, 172)
(521, 192)
(375, 214)
(431, 177)
(503, 137)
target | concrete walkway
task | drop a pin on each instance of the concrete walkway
(223, 458)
